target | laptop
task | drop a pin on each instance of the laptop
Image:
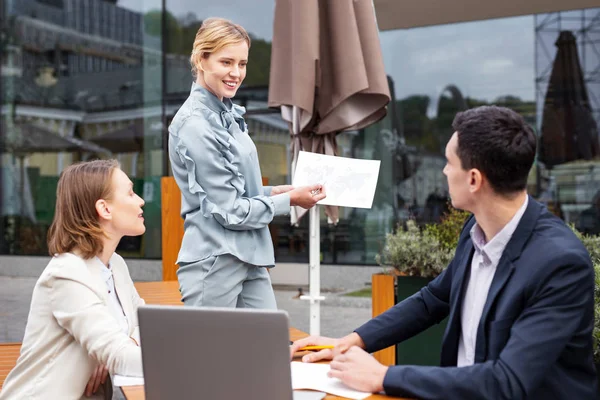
(215, 353)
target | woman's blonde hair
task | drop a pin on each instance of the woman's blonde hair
(213, 35)
(76, 223)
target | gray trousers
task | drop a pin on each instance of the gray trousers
(225, 281)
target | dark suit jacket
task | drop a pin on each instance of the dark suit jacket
(534, 340)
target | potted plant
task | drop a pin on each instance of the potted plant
(592, 244)
(596, 333)
(416, 256)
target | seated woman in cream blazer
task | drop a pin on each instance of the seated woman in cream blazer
(83, 318)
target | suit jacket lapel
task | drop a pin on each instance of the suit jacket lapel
(123, 292)
(98, 283)
(505, 268)
(503, 272)
(95, 267)
(461, 274)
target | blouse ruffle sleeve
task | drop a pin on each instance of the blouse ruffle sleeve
(213, 174)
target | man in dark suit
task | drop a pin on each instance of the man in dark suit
(519, 293)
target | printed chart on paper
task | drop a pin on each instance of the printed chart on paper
(348, 182)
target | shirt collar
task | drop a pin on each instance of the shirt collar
(218, 106)
(105, 270)
(492, 250)
(210, 100)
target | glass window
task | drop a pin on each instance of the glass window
(568, 115)
(94, 70)
(64, 76)
(436, 72)
(545, 67)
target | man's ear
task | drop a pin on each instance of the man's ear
(475, 180)
(103, 209)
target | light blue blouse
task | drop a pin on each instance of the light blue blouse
(224, 205)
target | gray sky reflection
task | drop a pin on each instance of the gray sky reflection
(485, 59)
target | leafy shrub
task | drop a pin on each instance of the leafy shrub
(426, 252)
(448, 230)
(597, 313)
(591, 243)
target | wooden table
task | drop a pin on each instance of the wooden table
(9, 352)
(167, 292)
(162, 292)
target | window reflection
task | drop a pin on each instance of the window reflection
(568, 114)
(91, 72)
(80, 80)
(512, 62)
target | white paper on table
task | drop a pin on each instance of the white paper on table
(122, 380)
(348, 182)
(314, 376)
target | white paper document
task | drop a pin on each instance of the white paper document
(122, 380)
(304, 376)
(314, 376)
(348, 182)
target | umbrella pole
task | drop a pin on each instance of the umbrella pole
(314, 271)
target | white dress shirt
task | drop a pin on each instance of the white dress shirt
(114, 304)
(483, 267)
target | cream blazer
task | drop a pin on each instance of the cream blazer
(70, 330)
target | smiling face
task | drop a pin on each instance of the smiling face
(125, 207)
(223, 71)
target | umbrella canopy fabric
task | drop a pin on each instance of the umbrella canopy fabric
(129, 139)
(327, 71)
(29, 138)
(395, 14)
(569, 131)
(123, 140)
(24, 139)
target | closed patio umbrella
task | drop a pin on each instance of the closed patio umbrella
(327, 75)
(27, 138)
(131, 138)
(123, 140)
(569, 131)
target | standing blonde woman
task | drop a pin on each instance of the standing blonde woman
(226, 244)
(83, 318)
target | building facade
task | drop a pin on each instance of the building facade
(112, 74)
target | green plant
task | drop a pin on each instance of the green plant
(591, 243)
(596, 333)
(448, 230)
(423, 252)
(414, 252)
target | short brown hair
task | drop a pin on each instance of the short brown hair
(76, 223)
(499, 143)
(213, 35)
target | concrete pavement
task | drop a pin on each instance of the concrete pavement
(339, 314)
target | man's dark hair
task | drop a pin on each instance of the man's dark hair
(498, 142)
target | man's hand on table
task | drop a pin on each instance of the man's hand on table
(357, 369)
(325, 354)
(350, 363)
